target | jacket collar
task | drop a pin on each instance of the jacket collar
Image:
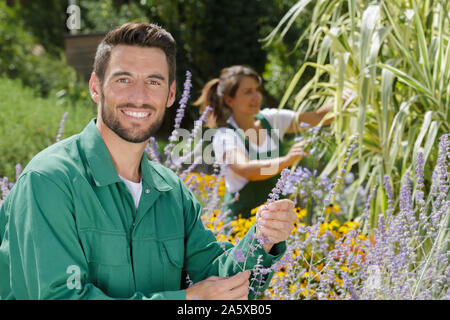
(102, 167)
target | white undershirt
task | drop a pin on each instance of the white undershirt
(227, 139)
(135, 189)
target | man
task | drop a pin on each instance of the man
(91, 218)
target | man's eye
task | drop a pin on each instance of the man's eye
(123, 80)
(153, 82)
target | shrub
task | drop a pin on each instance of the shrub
(28, 123)
(22, 57)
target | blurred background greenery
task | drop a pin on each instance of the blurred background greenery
(211, 35)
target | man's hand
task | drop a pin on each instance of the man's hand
(275, 222)
(220, 288)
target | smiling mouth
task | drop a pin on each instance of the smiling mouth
(141, 115)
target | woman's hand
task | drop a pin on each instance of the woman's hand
(295, 153)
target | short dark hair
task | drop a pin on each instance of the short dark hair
(135, 34)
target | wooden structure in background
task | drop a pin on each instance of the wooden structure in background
(80, 52)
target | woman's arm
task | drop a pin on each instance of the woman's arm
(255, 170)
(313, 118)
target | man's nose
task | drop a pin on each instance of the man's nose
(139, 95)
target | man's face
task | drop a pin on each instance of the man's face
(135, 92)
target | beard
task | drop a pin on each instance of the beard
(135, 135)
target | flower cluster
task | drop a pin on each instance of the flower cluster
(405, 256)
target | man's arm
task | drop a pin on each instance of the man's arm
(46, 260)
(205, 257)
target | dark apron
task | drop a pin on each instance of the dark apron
(254, 193)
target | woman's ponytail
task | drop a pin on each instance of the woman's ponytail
(210, 97)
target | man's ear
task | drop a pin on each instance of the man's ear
(94, 88)
(172, 91)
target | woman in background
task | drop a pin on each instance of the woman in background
(248, 137)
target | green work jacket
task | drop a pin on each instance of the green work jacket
(69, 229)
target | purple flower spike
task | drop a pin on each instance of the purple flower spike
(180, 114)
(239, 255)
(275, 194)
(61, 126)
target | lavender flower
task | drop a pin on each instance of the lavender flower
(61, 126)
(189, 282)
(406, 205)
(18, 168)
(183, 102)
(179, 116)
(239, 255)
(275, 194)
(341, 175)
(419, 176)
(442, 182)
(195, 132)
(5, 187)
(152, 150)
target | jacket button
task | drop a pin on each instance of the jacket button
(147, 191)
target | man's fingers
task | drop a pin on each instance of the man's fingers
(241, 292)
(276, 224)
(236, 280)
(275, 235)
(283, 204)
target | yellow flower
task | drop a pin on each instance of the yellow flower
(301, 213)
(352, 224)
(332, 209)
(281, 274)
(334, 224)
(344, 268)
(255, 210)
(295, 254)
(292, 288)
(339, 281)
(241, 226)
(328, 209)
(362, 237)
(323, 228)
